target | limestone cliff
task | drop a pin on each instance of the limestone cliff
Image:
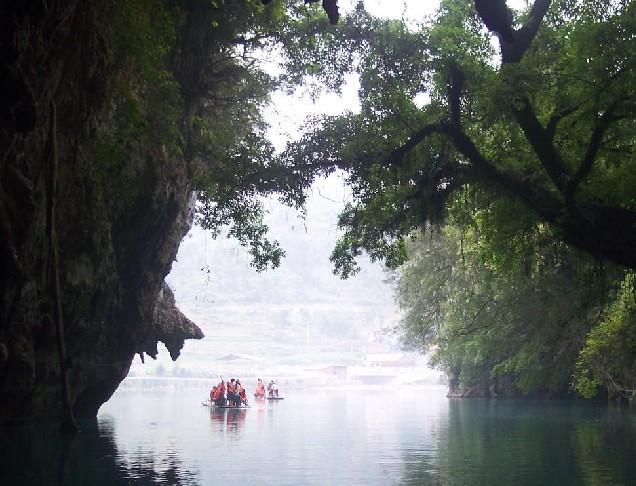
(118, 220)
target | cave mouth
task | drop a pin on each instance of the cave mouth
(299, 314)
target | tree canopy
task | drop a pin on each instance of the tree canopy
(546, 116)
(504, 311)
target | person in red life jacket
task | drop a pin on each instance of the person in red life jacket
(219, 394)
(240, 391)
(232, 397)
(260, 389)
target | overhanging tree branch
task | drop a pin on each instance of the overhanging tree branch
(602, 125)
(472, 326)
(541, 201)
(512, 52)
(608, 232)
(554, 121)
(455, 84)
(540, 139)
(398, 154)
(497, 18)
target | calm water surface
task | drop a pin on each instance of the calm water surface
(330, 437)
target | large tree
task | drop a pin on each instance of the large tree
(543, 111)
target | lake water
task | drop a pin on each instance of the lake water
(330, 437)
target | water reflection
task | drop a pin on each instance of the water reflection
(601, 445)
(336, 438)
(228, 419)
(498, 442)
(39, 455)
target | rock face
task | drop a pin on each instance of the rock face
(118, 230)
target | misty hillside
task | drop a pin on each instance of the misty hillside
(299, 313)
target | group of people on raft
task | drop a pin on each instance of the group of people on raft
(233, 394)
(230, 394)
(272, 389)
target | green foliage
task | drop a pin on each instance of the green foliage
(245, 218)
(609, 355)
(232, 161)
(555, 129)
(185, 83)
(491, 304)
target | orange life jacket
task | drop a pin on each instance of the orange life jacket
(218, 392)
